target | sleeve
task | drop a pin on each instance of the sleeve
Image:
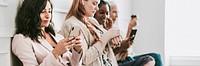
(23, 49)
(76, 58)
(65, 29)
(92, 53)
(89, 54)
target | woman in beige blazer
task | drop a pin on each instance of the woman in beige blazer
(35, 42)
(96, 50)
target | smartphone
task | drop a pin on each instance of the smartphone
(133, 33)
(74, 31)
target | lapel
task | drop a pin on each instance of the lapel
(45, 44)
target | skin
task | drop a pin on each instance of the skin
(46, 16)
(102, 14)
(91, 6)
(113, 12)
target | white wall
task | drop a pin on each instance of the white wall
(124, 14)
(8, 9)
(150, 35)
(61, 7)
(182, 26)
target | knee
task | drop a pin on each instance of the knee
(154, 54)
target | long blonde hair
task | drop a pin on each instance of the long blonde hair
(77, 9)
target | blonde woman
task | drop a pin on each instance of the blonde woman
(96, 50)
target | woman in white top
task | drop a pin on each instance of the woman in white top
(96, 50)
(35, 42)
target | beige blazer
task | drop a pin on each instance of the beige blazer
(39, 54)
(92, 54)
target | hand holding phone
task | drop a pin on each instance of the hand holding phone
(75, 32)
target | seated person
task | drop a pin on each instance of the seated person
(102, 16)
(35, 42)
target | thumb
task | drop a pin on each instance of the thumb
(80, 31)
(68, 39)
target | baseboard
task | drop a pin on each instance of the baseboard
(184, 61)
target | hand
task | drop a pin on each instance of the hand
(111, 33)
(108, 24)
(63, 46)
(133, 22)
(78, 45)
(116, 42)
(125, 44)
(123, 55)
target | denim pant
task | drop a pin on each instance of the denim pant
(130, 61)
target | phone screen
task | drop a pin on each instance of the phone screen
(133, 33)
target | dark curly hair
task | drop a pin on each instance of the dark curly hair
(28, 20)
(103, 2)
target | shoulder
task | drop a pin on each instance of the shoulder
(70, 22)
(71, 19)
(20, 37)
(93, 20)
(20, 41)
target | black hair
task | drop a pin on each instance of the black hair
(103, 2)
(28, 20)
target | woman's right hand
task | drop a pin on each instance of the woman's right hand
(133, 22)
(63, 46)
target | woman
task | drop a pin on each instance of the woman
(36, 43)
(102, 16)
(96, 51)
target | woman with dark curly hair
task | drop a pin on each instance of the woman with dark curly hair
(35, 42)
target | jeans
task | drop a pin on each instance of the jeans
(130, 61)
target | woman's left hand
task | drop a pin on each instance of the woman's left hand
(116, 41)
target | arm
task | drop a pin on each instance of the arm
(132, 23)
(23, 49)
(90, 53)
(73, 57)
(125, 44)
